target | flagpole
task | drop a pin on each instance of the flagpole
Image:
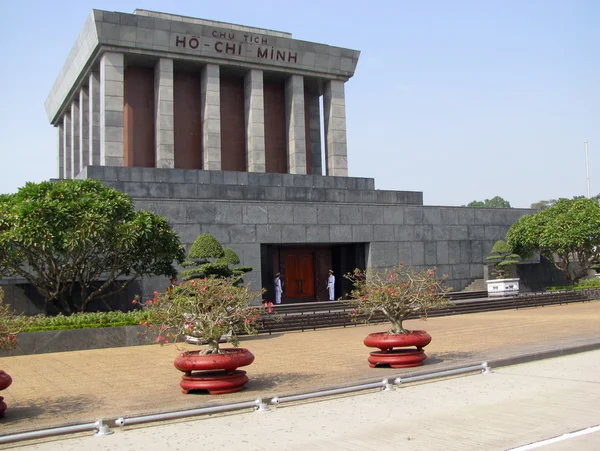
(587, 168)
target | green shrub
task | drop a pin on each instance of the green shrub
(581, 285)
(503, 259)
(207, 258)
(85, 320)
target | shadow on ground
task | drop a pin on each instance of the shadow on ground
(52, 410)
(447, 357)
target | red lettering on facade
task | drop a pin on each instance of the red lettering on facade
(230, 48)
(255, 39)
(262, 53)
(223, 35)
(236, 48)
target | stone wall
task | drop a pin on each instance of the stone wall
(244, 210)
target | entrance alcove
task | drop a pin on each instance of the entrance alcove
(305, 268)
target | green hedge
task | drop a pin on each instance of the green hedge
(82, 320)
(582, 285)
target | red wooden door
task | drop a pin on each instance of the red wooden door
(299, 276)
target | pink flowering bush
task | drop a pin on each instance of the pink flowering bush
(397, 293)
(206, 309)
(10, 325)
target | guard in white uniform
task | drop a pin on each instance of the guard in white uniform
(278, 289)
(331, 285)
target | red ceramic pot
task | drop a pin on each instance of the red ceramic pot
(230, 360)
(385, 341)
(215, 382)
(5, 380)
(397, 358)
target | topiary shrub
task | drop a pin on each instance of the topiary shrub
(206, 247)
(503, 258)
(207, 258)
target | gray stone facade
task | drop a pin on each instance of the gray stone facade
(178, 37)
(110, 42)
(255, 120)
(338, 217)
(112, 71)
(211, 116)
(245, 210)
(165, 126)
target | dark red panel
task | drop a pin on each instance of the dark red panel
(233, 124)
(139, 147)
(275, 128)
(299, 275)
(188, 120)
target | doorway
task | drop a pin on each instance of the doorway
(305, 269)
(299, 275)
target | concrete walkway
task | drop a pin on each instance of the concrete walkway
(514, 406)
(57, 389)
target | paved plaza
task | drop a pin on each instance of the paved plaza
(75, 387)
(512, 407)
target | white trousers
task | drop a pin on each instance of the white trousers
(277, 297)
(331, 294)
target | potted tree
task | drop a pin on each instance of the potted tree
(397, 293)
(207, 309)
(10, 326)
(208, 258)
(504, 260)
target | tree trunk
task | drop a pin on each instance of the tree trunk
(397, 327)
(212, 347)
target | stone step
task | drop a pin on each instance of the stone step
(476, 285)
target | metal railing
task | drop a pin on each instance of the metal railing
(99, 427)
(260, 405)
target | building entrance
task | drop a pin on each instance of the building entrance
(299, 275)
(305, 269)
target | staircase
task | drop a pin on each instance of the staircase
(476, 285)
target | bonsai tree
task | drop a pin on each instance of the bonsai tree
(503, 258)
(206, 309)
(207, 258)
(397, 293)
(77, 241)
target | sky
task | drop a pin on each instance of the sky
(462, 100)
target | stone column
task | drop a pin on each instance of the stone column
(295, 121)
(210, 98)
(84, 127)
(314, 123)
(75, 137)
(67, 145)
(94, 119)
(61, 150)
(163, 107)
(334, 106)
(111, 109)
(255, 120)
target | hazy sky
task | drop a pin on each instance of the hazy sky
(462, 100)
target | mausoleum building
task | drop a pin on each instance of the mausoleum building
(163, 91)
(218, 128)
